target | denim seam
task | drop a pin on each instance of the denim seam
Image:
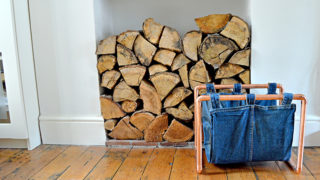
(251, 131)
(288, 106)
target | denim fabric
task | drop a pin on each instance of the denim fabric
(272, 89)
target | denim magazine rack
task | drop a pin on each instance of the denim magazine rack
(257, 128)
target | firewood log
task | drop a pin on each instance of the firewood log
(179, 61)
(110, 124)
(110, 78)
(110, 109)
(212, 23)
(141, 120)
(245, 77)
(183, 72)
(157, 68)
(178, 132)
(133, 74)
(144, 50)
(127, 38)
(164, 82)
(152, 30)
(106, 62)
(228, 70)
(228, 81)
(125, 56)
(182, 112)
(237, 30)
(199, 73)
(164, 57)
(150, 97)
(191, 108)
(170, 39)
(241, 58)
(194, 83)
(177, 95)
(191, 42)
(129, 106)
(124, 92)
(107, 46)
(124, 130)
(156, 129)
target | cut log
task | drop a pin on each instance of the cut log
(133, 74)
(156, 129)
(178, 132)
(125, 56)
(241, 58)
(228, 81)
(215, 49)
(144, 50)
(164, 82)
(170, 39)
(245, 77)
(237, 30)
(182, 112)
(228, 70)
(179, 61)
(110, 124)
(199, 73)
(212, 23)
(151, 99)
(191, 108)
(124, 130)
(127, 38)
(194, 83)
(107, 46)
(183, 72)
(164, 57)
(191, 42)
(106, 62)
(157, 68)
(124, 92)
(129, 106)
(152, 30)
(177, 96)
(109, 79)
(141, 120)
(110, 109)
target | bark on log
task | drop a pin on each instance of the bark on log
(110, 109)
(107, 46)
(199, 73)
(182, 112)
(228, 70)
(212, 23)
(127, 38)
(178, 132)
(133, 74)
(237, 30)
(191, 42)
(183, 72)
(152, 30)
(164, 82)
(156, 129)
(109, 79)
(157, 68)
(110, 124)
(170, 39)
(164, 57)
(241, 58)
(177, 96)
(144, 50)
(245, 77)
(141, 120)
(124, 130)
(124, 92)
(125, 56)
(106, 62)
(129, 106)
(151, 99)
(179, 61)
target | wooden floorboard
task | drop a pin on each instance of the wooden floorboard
(184, 165)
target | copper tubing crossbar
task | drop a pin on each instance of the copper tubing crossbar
(198, 123)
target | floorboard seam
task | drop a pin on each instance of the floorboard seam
(97, 163)
(175, 152)
(121, 164)
(147, 163)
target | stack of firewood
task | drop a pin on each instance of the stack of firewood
(147, 76)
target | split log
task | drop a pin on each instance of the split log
(237, 30)
(144, 50)
(215, 49)
(245, 77)
(191, 42)
(178, 132)
(183, 72)
(110, 109)
(241, 58)
(179, 61)
(105, 63)
(182, 112)
(129, 106)
(170, 39)
(156, 129)
(124, 130)
(228, 81)
(107, 46)
(228, 70)
(127, 38)
(110, 124)
(164, 57)
(133, 74)
(124, 92)
(191, 108)
(152, 30)
(141, 120)
(199, 73)
(177, 95)
(125, 56)
(212, 23)
(157, 68)
(164, 82)
(151, 99)
(194, 83)
(109, 79)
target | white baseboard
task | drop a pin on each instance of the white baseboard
(311, 131)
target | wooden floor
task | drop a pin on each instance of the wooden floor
(99, 162)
